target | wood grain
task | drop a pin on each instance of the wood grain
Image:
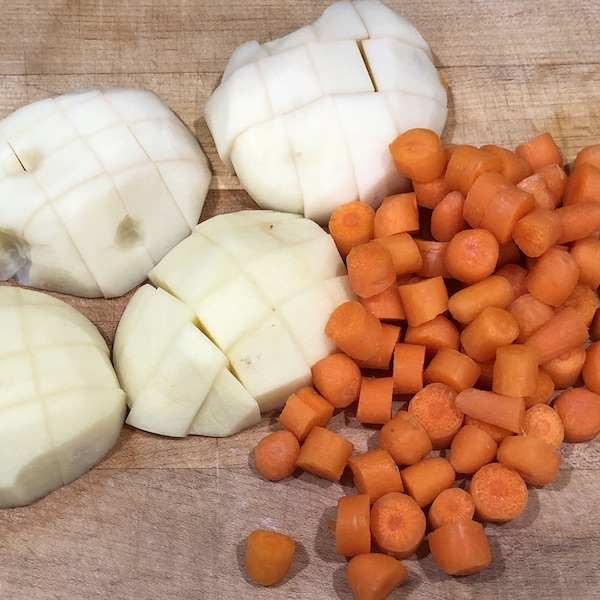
(167, 519)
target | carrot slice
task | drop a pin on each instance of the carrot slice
(386, 306)
(467, 164)
(374, 576)
(471, 255)
(515, 370)
(564, 370)
(375, 473)
(451, 505)
(439, 332)
(375, 400)
(351, 224)
(338, 379)
(543, 421)
(432, 256)
(507, 412)
(370, 269)
(447, 217)
(269, 556)
(586, 254)
(426, 479)
(471, 448)
(353, 525)
(513, 167)
(276, 454)
(397, 214)
(405, 439)
(419, 154)
(405, 253)
(582, 185)
(429, 194)
(537, 231)
(325, 454)
(424, 300)
(540, 150)
(579, 410)
(453, 368)
(408, 363)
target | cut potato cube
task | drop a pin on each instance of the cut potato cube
(340, 21)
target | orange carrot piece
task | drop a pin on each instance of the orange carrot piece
(374, 576)
(426, 479)
(325, 453)
(544, 388)
(338, 379)
(507, 412)
(436, 410)
(407, 368)
(467, 164)
(590, 371)
(535, 460)
(579, 411)
(495, 432)
(405, 253)
(451, 505)
(298, 417)
(471, 448)
(553, 277)
(563, 331)
(471, 255)
(508, 253)
(491, 328)
(353, 525)
(439, 332)
(419, 154)
(370, 269)
(375, 473)
(453, 368)
(432, 257)
(460, 548)
(564, 370)
(424, 300)
(351, 224)
(540, 150)
(354, 330)
(397, 524)
(515, 370)
(276, 454)
(578, 221)
(269, 556)
(499, 492)
(386, 306)
(382, 359)
(586, 254)
(542, 421)
(447, 217)
(484, 382)
(515, 275)
(467, 303)
(555, 178)
(583, 185)
(584, 300)
(512, 167)
(530, 315)
(405, 439)
(320, 405)
(429, 194)
(397, 214)
(588, 155)
(538, 187)
(375, 400)
(537, 231)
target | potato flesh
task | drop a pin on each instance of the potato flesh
(61, 407)
(91, 192)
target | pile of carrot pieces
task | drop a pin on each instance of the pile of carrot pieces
(476, 308)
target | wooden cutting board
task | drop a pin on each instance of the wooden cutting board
(163, 519)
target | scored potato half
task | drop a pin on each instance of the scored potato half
(305, 121)
(234, 325)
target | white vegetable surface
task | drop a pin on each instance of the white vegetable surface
(305, 121)
(61, 407)
(95, 188)
(261, 285)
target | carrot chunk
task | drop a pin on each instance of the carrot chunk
(579, 410)
(429, 194)
(353, 525)
(351, 224)
(471, 448)
(375, 400)
(370, 269)
(408, 363)
(447, 217)
(467, 303)
(543, 421)
(467, 164)
(472, 255)
(419, 154)
(405, 253)
(451, 505)
(325, 453)
(338, 379)
(396, 214)
(424, 300)
(540, 150)
(426, 479)
(515, 370)
(513, 167)
(582, 185)
(276, 454)
(269, 556)
(386, 306)
(405, 439)
(374, 576)
(507, 412)
(439, 332)
(375, 473)
(537, 231)
(453, 368)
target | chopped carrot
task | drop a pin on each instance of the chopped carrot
(320, 405)
(419, 154)
(538, 187)
(405, 439)
(436, 410)
(467, 303)
(540, 150)
(537, 231)
(467, 164)
(579, 411)
(397, 524)
(338, 379)
(386, 306)
(382, 359)
(429, 194)
(535, 460)
(513, 167)
(407, 368)
(370, 269)
(499, 492)
(508, 253)
(397, 214)
(374, 576)
(507, 412)
(426, 479)
(471, 255)
(325, 453)
(299, 417)
(584, 300)
(491, 328)
(495, 432)
(578, 221)
(542, 421)
(586, 254)
(353, 525)
(432, 257)
(557, 335)
(553, 277)
(460, 547)
(276, 454)
(565, 370)
(375, 473)
(424, 300)
(439, 332)
(269, 556)
(515, 370)
(351, 224)
(447, 217)
(583, 185)
(453, 368)
(354, 330)
(555, 178)
(515, 275)
(471, 448)
(590, 370)
(544, 388)
(484, 381)
(589, 155)
(451, 505)
(530, 314)
(375, 400)
(405, 253)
